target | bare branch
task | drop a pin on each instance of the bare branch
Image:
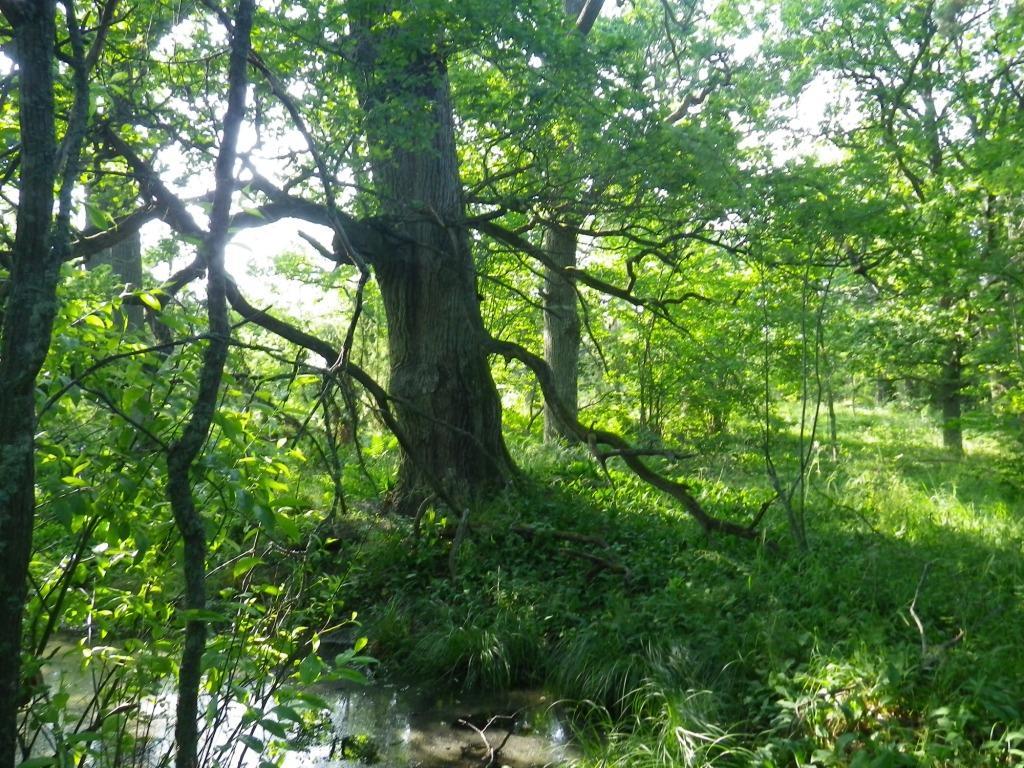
(677, 490)
(523, 245)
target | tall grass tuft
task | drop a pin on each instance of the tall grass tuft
(661, 729)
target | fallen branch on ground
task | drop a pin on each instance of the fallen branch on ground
(490, 753)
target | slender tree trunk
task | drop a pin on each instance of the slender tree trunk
(949, 399)
(833, 427)
(445, 400)
(885, 391)
(561, 331)
(184, 452)
(28, 322)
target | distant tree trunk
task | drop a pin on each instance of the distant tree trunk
(885, 391)
(648, 389)
(561, 330)
(125, 260)
(949, 400)
(561, 321)
(25, 338)
(445, 400)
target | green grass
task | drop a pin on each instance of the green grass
(727, 652)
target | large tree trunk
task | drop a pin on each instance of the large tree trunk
(445, 400)
(28, 321)
(561, 331)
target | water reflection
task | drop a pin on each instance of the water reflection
(381, 724)
(412, 727)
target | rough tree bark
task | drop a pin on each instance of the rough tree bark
(40, 246)
(28, 320)
(445, 399)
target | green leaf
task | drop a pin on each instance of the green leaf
(352, 675)
(83, 737)
(97, 217)
(310, 669)
(244, 565)
(287, 713)
(38, 762)
(252, 742)
(287, 527)
(310, 700)
(274, 727)
(95, 321)
(149, 300)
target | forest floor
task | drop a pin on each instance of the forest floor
(896, 639)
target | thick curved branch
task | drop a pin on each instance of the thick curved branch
(345, 246)
(171, 209)
(92, 242)
(367, 238)
(328, 352)
(370, 238)
(521, 244)
(621, 448)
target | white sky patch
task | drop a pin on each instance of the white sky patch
(823, 103)
(250, 255)
(747, 47)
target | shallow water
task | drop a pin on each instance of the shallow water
(382, 724)
(410, 727)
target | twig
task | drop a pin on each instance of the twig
(488, 749)
(418, 519)
(761, 512)
(913, 606)
(599, 563)
(490, 753)
(666, 453)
